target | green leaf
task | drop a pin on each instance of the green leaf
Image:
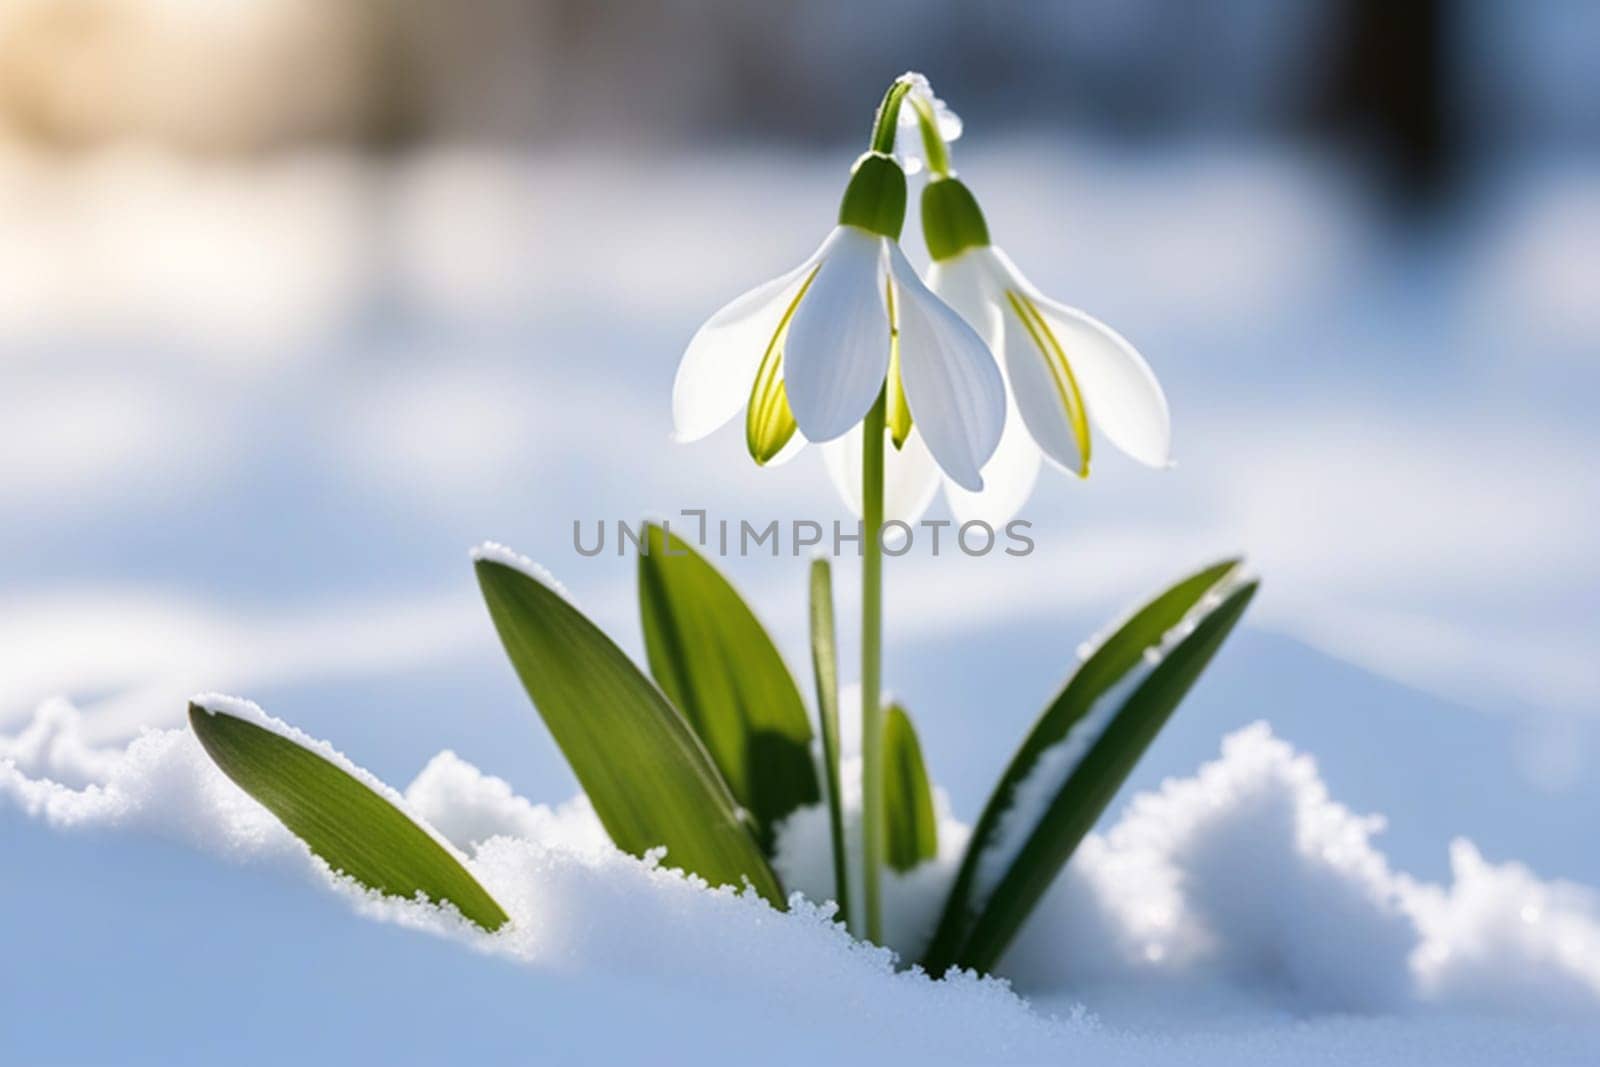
(909, 824)
(711, 656)
(646, 773)
(347, 822)
(825, 668)
(1121, 701)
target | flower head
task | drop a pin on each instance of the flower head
(1066, 370)
(808, 353)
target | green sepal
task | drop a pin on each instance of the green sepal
(875, 199)
(952, 222)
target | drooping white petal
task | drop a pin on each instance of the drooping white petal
(954, 389)
(837, 350)
(1008, 477)
(910, 476)
(719, 366)
(971, 283)
(1038, 394)
(1120, 392)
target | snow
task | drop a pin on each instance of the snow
(494, 552)
(912, 900)
(1228, 899)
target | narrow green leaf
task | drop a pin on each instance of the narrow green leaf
(1121, 702)
(710, 655)
(909, 824)
(825, 668)
(353, 826)
(646, 773)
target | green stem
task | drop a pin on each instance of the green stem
(887, 123)
(934, 149)
(872, 829)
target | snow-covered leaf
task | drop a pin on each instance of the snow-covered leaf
(910, 826)
(1075, 758)
(351, 824)
(711, 656)
(651, 781)
(825, 668)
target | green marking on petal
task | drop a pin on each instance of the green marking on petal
(1044, 339)
(768, 422)
(899, 410)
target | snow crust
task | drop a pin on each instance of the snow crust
(494, 552)
(1242, 891)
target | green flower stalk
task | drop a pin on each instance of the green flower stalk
(852, 341)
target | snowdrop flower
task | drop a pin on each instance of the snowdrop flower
(1065, 370)
(807, 354)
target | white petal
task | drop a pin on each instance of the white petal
(973, 283)
(1008, 477)
(954, 389)
(719, 366)
(1120, 392)
(837, 350)
(1037, 396)
(970, 283)
(910, 476)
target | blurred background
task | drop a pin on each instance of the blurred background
(299, 299)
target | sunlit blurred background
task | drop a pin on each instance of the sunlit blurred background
(299, 299)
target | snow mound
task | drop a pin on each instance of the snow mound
(1245, 883)
(469, 807)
